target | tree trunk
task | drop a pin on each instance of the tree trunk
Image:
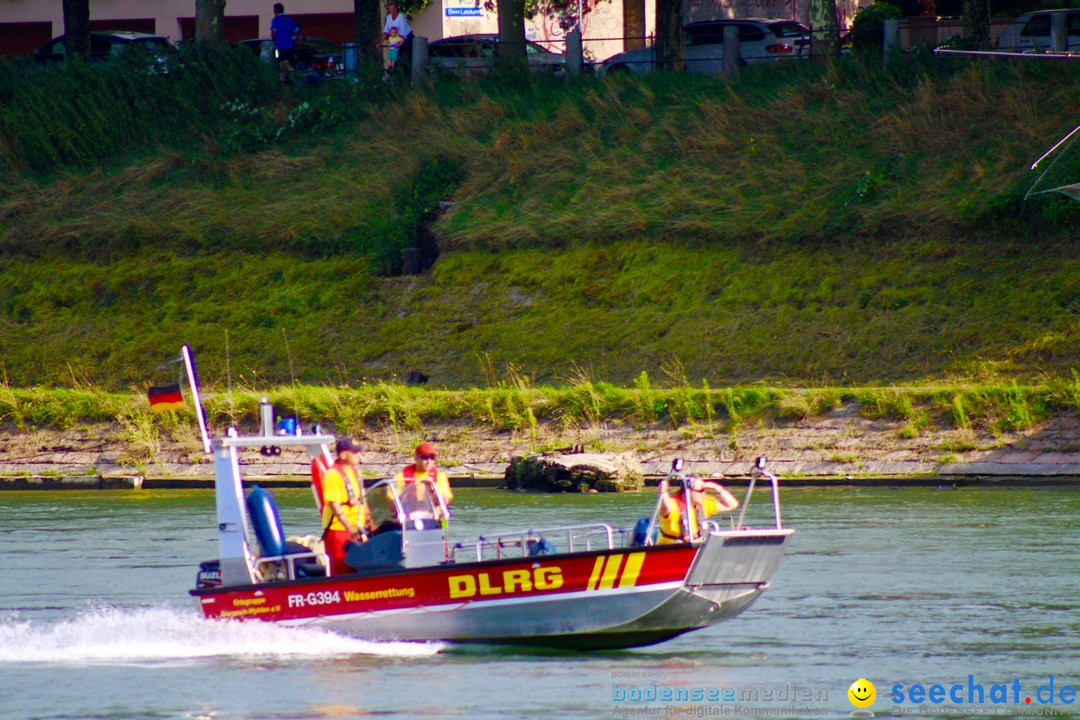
(670, 43)
(825, 26)
(210, 23)
(369, 26)
(77, 27)
(633, 24)
(512, 33)
(977, 23)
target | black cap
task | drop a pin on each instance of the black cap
(346, 445)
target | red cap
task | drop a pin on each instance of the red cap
(425, 448)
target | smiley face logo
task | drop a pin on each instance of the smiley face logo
(862, 693)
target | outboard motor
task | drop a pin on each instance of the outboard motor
(209, 575)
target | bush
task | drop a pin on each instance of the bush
(82, 114)
(866, 28)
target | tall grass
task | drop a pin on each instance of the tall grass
(806, 151)
(85, 114)
(520, 408)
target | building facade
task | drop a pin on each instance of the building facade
(26, 25)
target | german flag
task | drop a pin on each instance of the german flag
(166, 398)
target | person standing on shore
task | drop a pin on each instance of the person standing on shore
(283, 31)
(396, 19)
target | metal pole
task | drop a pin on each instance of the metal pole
(419, 58)
(732, 51)
(574, 55)
(891, 36)
(193, 384)
(1058, 35)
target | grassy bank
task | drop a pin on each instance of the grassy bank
(809, 314)
(807, 151)
(515, 405)
(814, 225)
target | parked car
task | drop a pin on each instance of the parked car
(475, 55)
(314, 55)
(760, 40)
(1031, 31)
(104, 46)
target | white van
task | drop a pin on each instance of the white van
(1031, 31)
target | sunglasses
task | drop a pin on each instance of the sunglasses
(427, 457)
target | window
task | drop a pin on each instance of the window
(1037, 26)
(750, 33)
(788, 30)
(709, 34)
(56, 47)
(448, 48)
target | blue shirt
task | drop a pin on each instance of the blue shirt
(282, 29)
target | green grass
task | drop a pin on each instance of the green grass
(697, 317)
(929, 147)
(519, 407)
(643, 243)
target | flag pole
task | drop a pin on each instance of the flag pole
(193, 383)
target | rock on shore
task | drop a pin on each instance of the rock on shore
(575, 472)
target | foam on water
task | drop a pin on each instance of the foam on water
(112, 634)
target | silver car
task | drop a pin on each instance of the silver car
(1031, 31)
(475, 55)
(105, 45)
(760, 40)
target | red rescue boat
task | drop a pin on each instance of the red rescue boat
(587, 586)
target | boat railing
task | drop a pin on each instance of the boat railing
(288, 563)
(757, 471)
(715, 526)
(531, 543)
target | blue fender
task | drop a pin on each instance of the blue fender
(265, 520)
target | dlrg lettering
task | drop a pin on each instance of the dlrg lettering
(974, 693)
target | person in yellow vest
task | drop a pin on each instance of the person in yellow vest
(424, 467)
(344, 512)
(704, 505)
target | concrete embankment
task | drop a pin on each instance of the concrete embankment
(841, 449)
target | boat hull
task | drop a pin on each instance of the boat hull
(603, 599)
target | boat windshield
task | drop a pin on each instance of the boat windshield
(416, 504)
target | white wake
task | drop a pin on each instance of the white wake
(160, 634)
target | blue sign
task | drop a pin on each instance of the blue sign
(464, 12)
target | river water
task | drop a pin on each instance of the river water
(968, 589)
